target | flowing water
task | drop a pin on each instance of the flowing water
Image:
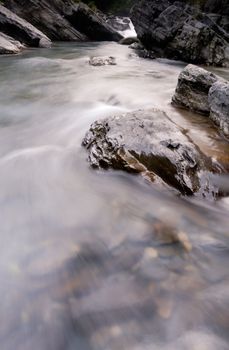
(102, 260)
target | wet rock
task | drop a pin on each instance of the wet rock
(102, 61)
(205, 93)
(119, 23)
(148, 142)
(174, 31)
(129, 40)
(146, 54)
(136, 46)
(192, 89)
(219, 105)
(21, 30)
(68, 20)
(8, 45)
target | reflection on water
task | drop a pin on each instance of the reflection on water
(94, 260)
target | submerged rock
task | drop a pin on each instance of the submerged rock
(102, 61)
(21, 30)
(179, 32)
(8, 45)
(219, 105)
(148, 142)
(192, 89)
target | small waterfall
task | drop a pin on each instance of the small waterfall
(123, 25)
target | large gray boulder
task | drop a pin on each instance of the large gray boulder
(8, 45)
(180, 32)
(64, 20)
(148, 142)
(204, 92)
(21, 30)
(219, 105)
(192, 89)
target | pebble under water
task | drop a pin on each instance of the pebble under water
(102, 260)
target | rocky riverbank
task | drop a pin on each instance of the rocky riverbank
(36, 24)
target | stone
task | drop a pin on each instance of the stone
(46, 16)
(222, 21)
(219, 105)
(205, 93)
(149, 143)
(8, 45)
(21, 30)
(217, 6)
(89, 22)
(192, 89)
(67, 21)
(136, 46)
(102, 61)
(180, 32)
(129, 40)
(119, 23)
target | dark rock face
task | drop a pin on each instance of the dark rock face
(192, 89)
(180, 32)
(90, 23)
(64, 20)
(222, 21)
(21, 30)
(8, 45)
(219, 11)
(219, 105)
(148, 142)
(45, 16)
(217, 6)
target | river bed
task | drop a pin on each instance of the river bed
(88, 259)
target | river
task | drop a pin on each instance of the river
(88, 259)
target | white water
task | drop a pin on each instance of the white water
(128, 32)
(73, 241)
